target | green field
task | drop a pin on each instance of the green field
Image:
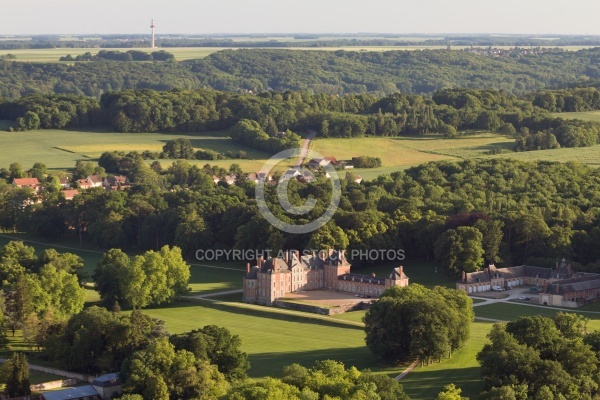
(53, 55)
(60, 149)
(403, 152)
(586, 115)
(274, 340)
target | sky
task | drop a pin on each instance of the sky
(21, 17)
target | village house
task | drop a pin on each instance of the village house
(31, 183)
(70, 193)
(116, 182)
(257, 177)
(95, 180)
(64, 182)
(84, 184)
(291, 173)
(318, 162)
(273, 278)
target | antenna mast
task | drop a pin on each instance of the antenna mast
(152, 25)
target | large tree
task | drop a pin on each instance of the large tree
(218, 346)
(151, 278)
(16, 371)
(460, 249)
(416, 321)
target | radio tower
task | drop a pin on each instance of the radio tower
(152, 26)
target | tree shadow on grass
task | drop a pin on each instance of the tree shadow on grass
(424, 384)
(232, 310)
(272, 364)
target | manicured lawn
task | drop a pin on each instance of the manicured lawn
(215, 278)
(462, 370)
(274, 340)
(60, 149)
(354, 316)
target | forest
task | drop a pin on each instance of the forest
(257, 120)
(336, 72)
(500, 211)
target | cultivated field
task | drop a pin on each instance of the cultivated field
(60, 149)
(53, 55)
(189, 53)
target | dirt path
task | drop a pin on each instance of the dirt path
(304, 149)
(407, 370)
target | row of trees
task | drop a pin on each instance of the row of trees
(115, 55)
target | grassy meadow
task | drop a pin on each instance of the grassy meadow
(60, 149)
(398, 153)
(586, 115)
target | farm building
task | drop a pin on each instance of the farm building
(506, 278)
(86, 392)
(560, 286)
(273, 278)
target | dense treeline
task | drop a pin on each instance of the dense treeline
(91, 79)
(550, 358)
(338, 72)
(261, 121)
(568, 100)
(131, 55)
(500, 211)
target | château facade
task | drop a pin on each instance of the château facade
(273, 278)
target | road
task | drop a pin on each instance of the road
(304, 149)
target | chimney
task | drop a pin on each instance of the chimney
(464, 276)
(373, 274)
(487, 270)
(401, 270)
(298, 254)
(248, 268)
(287, 257)
(260, 262)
